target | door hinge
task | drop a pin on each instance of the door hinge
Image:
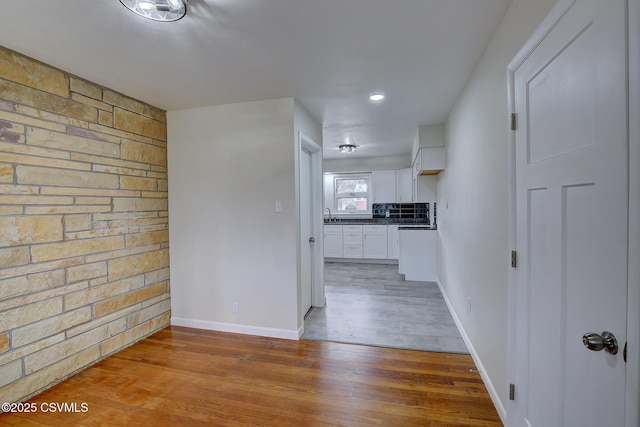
(514, 259)
(512, 392)
(514, 121)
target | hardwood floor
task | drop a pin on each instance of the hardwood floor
(184, 377)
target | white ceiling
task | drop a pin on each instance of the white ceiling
(328, 54)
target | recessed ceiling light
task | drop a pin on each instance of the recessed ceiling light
(347, 148)
(157, 10)
(376, 97)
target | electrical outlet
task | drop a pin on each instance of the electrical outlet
(236, 307)
(469, 303)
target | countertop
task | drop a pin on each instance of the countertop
(377, 221)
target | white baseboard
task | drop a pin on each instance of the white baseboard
(237, 329)
(502, 412)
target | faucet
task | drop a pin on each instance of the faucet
(327, 209)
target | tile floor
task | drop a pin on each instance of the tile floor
(372, 304)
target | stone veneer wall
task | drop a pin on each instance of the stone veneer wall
(84, 258)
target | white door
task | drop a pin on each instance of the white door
(306, 229)
(571, 219)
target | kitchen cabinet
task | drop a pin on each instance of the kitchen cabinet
(384, 186)
(392, 241)
(375, 241)
(333, 247)
(352, 241)
(404, 189)
(429, 161)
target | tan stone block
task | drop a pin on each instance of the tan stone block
(30, 313)
(119, 100)
(154, 194)
(48, 116)
(48, 327)
(45, 210)
(121, 253)
(162, 169)
(63, 141)
(18, 189)
(22, 159)
(137, 124)
(85, 88)
(45, 101)
(21, 270)
(4, 342)
(50, 251)
(137, 264)
(21, 230)
(148, 228)
(26, 71)
(126, 300)
(92, 102)
(118, 170)
(97, 160)
(134, 334)
(11, 127)
(138, 222)
(10, 372)
(105, 118)
(31, 121)
(35, 151)
(77, 222)
(148, 313)
(100, 233)
(49, 376)
(144, 153)
(10, 210)
(32, 283)
(86, 272)
(98, 282)
(127, 205)
(93, 200)
(63, 177)
(17, 353)
(12, 257)
(157, 276)
(155, 113)
(142, 239)
(31, 298)
(103, 292)
(88, 192)
(35, 200)
(6, 173)
(121, 133)
(92, 134)
(124, 215)
(134, 183)
(118, 320)
(56, 352)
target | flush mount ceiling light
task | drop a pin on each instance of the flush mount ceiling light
(347, 148)
(157, 10)
(376, 97)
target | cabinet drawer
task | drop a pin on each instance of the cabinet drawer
(333, 229)
(375, 229)
(353, 251)
(352, 229)
(354, 239)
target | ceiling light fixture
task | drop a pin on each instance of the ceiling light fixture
(376, 97)
(347, 148)
(157, 10)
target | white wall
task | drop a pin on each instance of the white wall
(366, 164)
(227, 166)
(473, 250)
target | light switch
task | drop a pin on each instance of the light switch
(278, 206)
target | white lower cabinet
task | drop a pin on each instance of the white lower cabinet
(333, 247)
(393, 245)
(352, 240)
(375, 241)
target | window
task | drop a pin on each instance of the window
(351, 194)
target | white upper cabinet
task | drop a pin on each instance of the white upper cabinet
(429, 161)
(384, 186)
(404, 193)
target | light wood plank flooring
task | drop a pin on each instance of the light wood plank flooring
(185, 377)
(372, 304)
